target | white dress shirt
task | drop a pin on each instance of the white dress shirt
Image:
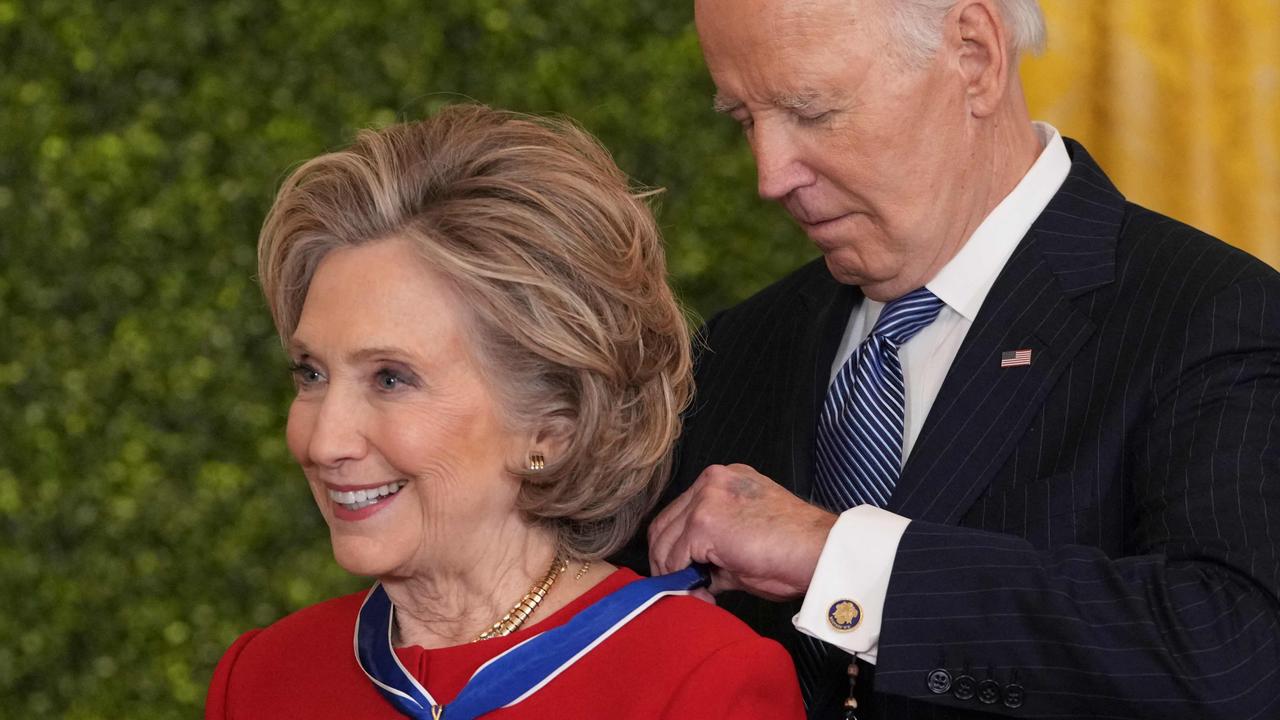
(858, 556)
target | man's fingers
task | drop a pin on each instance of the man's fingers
(756, 536)
(663, 533)
(704, 595)
(671, 512)
(721, 581)
(683, 533)
(661, 544)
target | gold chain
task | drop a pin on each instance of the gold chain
(523, 609)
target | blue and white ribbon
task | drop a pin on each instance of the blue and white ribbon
(521, 670)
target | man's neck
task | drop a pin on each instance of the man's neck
(1008, 145)
(1016, 146)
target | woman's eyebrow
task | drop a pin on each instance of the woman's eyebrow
(300, 348)
(381, 351)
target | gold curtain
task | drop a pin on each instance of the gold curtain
(1178, 100)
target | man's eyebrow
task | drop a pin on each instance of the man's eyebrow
(798, 101)
(724, 104)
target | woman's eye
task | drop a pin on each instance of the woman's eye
(304, 374)
(388, 379)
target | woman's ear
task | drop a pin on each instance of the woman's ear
(976, 34)
(546, 445)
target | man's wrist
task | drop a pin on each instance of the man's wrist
(844, 605)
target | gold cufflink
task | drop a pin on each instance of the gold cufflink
(844, 615)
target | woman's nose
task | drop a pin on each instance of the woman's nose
(337, 431)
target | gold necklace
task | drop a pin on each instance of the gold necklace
(523, 609)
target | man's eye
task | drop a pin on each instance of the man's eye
(815, 118)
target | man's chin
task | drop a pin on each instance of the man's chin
(874, 286)
(844, 272)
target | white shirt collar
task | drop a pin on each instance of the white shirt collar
(963, 283)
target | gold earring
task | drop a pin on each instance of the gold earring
(536, 461)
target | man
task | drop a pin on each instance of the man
(1054, 415)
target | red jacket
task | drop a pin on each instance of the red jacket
(680, 658)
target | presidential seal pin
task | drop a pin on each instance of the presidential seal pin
(844, 615)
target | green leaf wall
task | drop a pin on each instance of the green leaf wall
(149, 511)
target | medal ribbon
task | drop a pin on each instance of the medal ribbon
(521, 670)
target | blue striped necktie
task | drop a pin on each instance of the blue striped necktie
(858, 456)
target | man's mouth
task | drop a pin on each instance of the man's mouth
(807, 223)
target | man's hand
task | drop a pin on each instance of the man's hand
(759, 537)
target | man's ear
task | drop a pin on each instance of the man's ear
(975, 33)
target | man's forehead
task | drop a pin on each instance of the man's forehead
(740, 33)
(785, 16)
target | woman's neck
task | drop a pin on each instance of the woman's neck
(458, 597)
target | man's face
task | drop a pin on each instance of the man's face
(864, 152)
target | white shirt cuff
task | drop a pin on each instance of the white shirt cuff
(853, 572)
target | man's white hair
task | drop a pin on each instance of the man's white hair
(918, 24)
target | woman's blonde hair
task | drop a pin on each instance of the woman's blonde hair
(560, 268)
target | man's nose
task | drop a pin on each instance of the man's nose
(780, 167)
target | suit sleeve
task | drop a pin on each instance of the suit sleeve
(856, 564)
(1186, 624)
(218, 701)
(751, 679)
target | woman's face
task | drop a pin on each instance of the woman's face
(399, 436)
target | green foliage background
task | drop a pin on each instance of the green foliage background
(149, 512)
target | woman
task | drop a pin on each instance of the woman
(489, 366)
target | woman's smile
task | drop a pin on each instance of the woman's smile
(354, 503)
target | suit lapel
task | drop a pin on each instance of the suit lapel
(825, 306)
(982, 409)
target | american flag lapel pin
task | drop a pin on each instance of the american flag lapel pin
(1015, 358)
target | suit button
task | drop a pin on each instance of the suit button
(988, 692)
(939, 682)
(1014, 695)
(965, 687)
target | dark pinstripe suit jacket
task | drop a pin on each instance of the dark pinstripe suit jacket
(1094, 535)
